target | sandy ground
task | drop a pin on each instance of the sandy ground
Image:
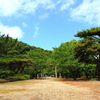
(50, 89)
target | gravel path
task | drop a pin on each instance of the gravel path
(47, 89)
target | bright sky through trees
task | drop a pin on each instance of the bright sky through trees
(47, 23)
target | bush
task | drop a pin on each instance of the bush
(93, 79)
(18, 77)
(5, 73)
(27, 76)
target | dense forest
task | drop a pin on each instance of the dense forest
(72, 59)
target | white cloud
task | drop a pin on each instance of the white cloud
(32, 6)
(87, 12)
(65, 4)
(9, 7)
(14, 32)
(43, 16)
(19, 7)
(36, 32)
(47, 4)
(24, 24)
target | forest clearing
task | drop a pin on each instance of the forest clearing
(50, 88)
(25, 67)
(49, 50)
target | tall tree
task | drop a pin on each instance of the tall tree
(88, 50)
(65, 60)
(7, 44)
(11, 59)
(39, 61)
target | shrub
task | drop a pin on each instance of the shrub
(5, 73)
(93, 79)
(17, 77)
(27, 76)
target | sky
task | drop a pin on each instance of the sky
(47, 23)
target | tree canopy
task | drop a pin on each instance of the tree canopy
(71, 59)
(88, 50)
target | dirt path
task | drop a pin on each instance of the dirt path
(47, 89)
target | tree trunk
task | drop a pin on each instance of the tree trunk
(67, 75)
(55, 71)
(74, 75)
(60, 75)
(86, 74)
(35, 76)
(42, 73)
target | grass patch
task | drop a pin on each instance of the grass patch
(11, 90)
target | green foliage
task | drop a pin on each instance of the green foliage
(13, 52)
(12, 61)
(39, 62)
(7, 44)
(23, 48)
(71, 59)
(88, 50)
(93, 79)
(64, 58)
(27, 76)
(89, 47)
(18, 77)
(89, 32)
(16, 55)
